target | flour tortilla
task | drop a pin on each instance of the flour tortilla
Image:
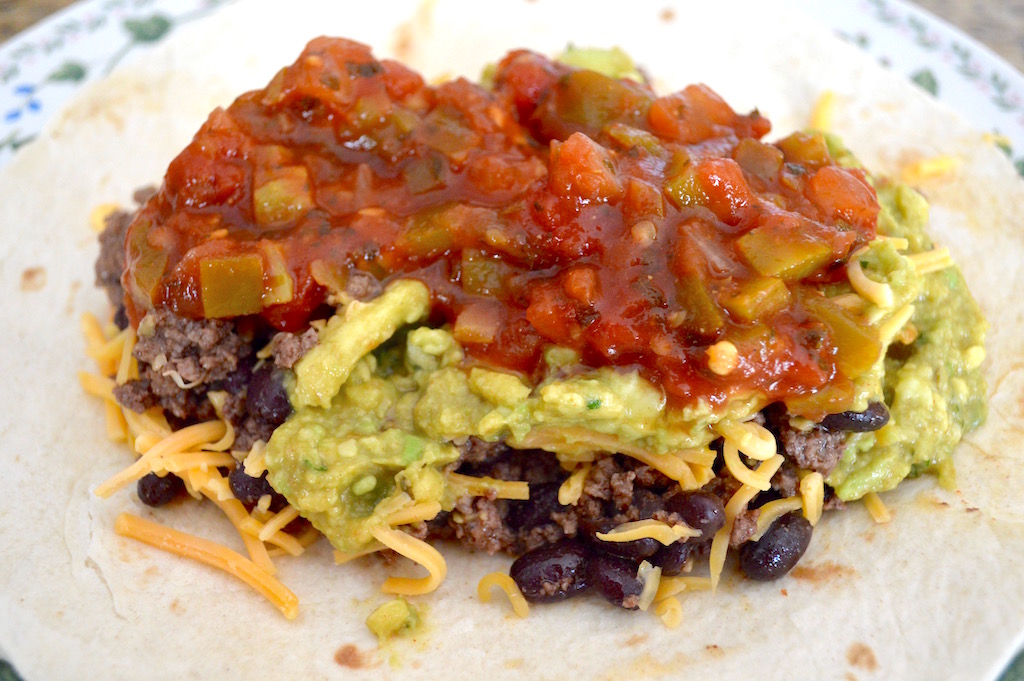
(936, 593)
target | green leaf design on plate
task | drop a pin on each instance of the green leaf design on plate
(926, 79)
(7, 672)
(68, 72)
(1019, 165)
(148, 30)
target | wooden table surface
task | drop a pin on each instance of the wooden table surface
(999, 24)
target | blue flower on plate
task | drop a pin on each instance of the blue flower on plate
(30, 103)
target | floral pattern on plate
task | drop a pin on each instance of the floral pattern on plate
(42, 67)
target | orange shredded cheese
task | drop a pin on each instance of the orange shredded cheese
(499, 579)
(670, 610)
(417, 551)
(462, 485)
(824, 111)
(212, 554)
(772, 511)
(179, 441)
(571, 490)
(417, 513)
(754, 440)
(738, 502)
(670, 586)
(652, 529)
(278, 522)
(877, 508)
(237, 514)
(812, 493)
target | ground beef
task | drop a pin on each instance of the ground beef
(207, 355)
(363, 285)
(786, 482)
(744, 527)
(618, 489)
(111, 261)
(200, 351)
(288, 348)
(479, 522)
(815, 449)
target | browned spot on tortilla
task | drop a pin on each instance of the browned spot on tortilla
(850, 676)
(635, 639)
(176, 605)
(822, 572)
(33, 279)
(861, 656)
(714, 650)
(69, 307)
(972, 509)
(783, 592)
(349, 655)
(515, 663)
(668, 14)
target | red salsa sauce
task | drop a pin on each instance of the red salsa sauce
(559, 206)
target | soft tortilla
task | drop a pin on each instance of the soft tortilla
(935, 593)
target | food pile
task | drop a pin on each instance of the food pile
(610, 332)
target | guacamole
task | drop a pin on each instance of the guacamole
(931, 384)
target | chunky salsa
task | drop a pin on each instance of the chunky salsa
(558, 206)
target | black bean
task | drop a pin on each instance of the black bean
(673, 557)
(778, 550)
(121, 318)
(700, 510)
(637, 549)
(156, 491)
(872, 418)
(525, 515)
(615, 579)
(267, 398)
(553, 572)
(238, 380)
(647, 503)
(249, 490)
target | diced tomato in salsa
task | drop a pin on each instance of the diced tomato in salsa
(560, 206)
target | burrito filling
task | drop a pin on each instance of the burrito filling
(558, 315)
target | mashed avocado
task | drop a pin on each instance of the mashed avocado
(388, 431)
(932, 385)
(379, 411)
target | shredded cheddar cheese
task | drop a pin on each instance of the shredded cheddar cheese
(930, 168)
(934, 260)
(508, 585)
(723, 358)
(417, 551)
(670, 610)
(650, 577)
(888, 329)
(751, 438)
(772, 511)
(482, 486)
(812, 493)
(824, 111)
(571, 490)
(876, 292)
(179, 441)
(417, 513)
(648, 529)
(738, 502)
(670, 586)
(212, 554)
(876, 508)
